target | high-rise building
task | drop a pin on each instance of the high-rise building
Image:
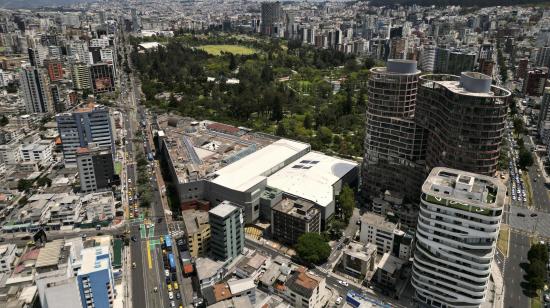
(543, 124)
(394, 143)
(535, 81)
(521, 71)
(95, 278)
(95, 167)
(453, 61)
(226, 231)
(89, 124)
(36, 90)
(290, 218)
(271, 15)
(543, 57)
(465, 118)
(102, 77)
(427, 58)
(197, 230)
(81, 76)
(458, 226)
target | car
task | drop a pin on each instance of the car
(521, 215)
(514, 197)
(547, 297)
(133, 264)
(344, 283)
(524, 199)
(133, 238)
(534, 215)
(175, 285)
(178, 295)
(172, 304)
(169, 286)
(167, 273)
(339, 300)
(155, 289)
(170, 295)
(83, 236)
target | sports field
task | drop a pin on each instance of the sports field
(234, 49)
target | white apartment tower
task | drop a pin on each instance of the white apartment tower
(458, 226)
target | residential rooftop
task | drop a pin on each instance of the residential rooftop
(463, 187)
(379, 222)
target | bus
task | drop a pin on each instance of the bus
(168, 242)
(172, 262)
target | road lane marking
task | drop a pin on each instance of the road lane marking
(149, 260)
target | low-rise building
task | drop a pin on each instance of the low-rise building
(40, 152)
(304, 289)
(197, 230)
(209, 272)
(292, 217)
(358, 259)
(388, 272)
(7, 257)
(377, 230)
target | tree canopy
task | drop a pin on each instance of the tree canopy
(347, 202)
(312, 248)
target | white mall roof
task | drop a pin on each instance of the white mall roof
(311, 177)
(248, 171)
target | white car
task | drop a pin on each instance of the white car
(167, 273)
(524, 199)
(170, 295)
(344, 283)
(514, 197)
(339, 300)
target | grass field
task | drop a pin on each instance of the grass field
(503, 238)
(216, 50)
(118, 167)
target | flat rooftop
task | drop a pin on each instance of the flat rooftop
(223, 209)
(312, 177)
(93, 259)
(378, 221)
(299, 208)
(463, 187)
(198, 149)
(244, 173)
(193, 220)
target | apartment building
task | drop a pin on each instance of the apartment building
(95, 278)
(394, 143)
(458, 226)
(379, 231)
(290, 218)
(305, 290)
(465, 118)
(227, 231)
(95, 167)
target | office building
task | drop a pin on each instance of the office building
(290, 218)
(95, 278)
(197, 230)
(35, 90)
(458, 226)
(465, 118)
(95, 167)
(80, 73)
(88, 124)
(535, 81)
(394, 143)
(227, 231)
(102, 77)
(271, 15)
